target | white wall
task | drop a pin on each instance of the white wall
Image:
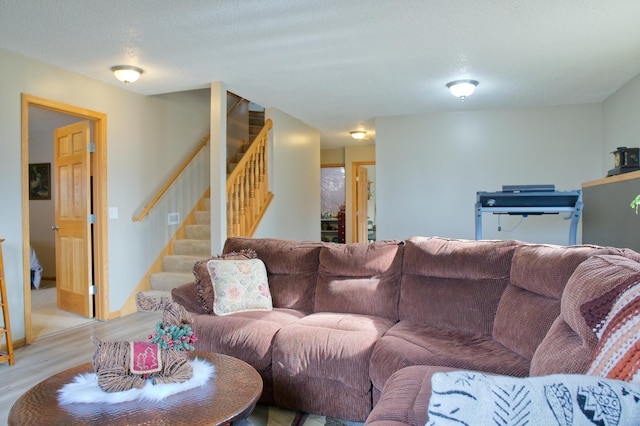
(429, 168)
(146, 136)
(622, 121)
(295, 180)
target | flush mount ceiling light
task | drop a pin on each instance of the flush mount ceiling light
(126, 73)
(358, 134)
(462, 88)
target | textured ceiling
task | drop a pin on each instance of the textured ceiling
(337, 64)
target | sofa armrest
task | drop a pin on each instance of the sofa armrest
(187, 296)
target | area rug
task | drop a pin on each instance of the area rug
(266, 415)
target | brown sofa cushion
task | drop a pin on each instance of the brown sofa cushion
(202, 277)
(405, 397)
(407, 343)
(360, 278)
(245, 335)
(569, 344)
(321, 364)
(454, 284)
(531, 302)
(292, 268)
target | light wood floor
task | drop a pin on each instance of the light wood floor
(46, 318)
(59, 351)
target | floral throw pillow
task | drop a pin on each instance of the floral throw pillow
(472, 398)
(203, 279)
(239, 286)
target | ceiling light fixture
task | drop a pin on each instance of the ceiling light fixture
(126, 73)
(462, 88)
(358, 134)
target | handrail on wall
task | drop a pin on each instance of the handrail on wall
(203, 142)
(173, 178)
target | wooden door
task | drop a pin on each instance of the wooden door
(72, 208)
(362, 184)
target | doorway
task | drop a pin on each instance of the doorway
(98, 250)
(332, 202)
(363, 217)
(48, 315)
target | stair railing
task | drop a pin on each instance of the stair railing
(171, 180)
(248, 193)
(248, 188)
(145, 211)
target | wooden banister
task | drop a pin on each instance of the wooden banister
(248, 193)
(173, 178)
(262, 137)
(203, 142)
(248, 189)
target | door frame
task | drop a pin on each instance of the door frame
(354, 200)
(99, 195)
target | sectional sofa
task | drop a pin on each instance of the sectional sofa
(356, 331)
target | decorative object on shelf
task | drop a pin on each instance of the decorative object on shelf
(635, 204)
(127, 73)
(124, 365)
(462, 88)
(625, 160)
(40, 181)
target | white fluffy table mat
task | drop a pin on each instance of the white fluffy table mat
(84, 388)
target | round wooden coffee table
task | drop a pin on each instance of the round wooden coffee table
(230, 395)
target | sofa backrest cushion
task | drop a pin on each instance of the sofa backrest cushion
(531, 301)
(292, 268)
(589, 294)
(360, 278)
(454, 284)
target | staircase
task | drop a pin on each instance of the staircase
(195, 243)
(256, 123)
(177, 268)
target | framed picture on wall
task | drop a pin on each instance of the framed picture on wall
(40, 181)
